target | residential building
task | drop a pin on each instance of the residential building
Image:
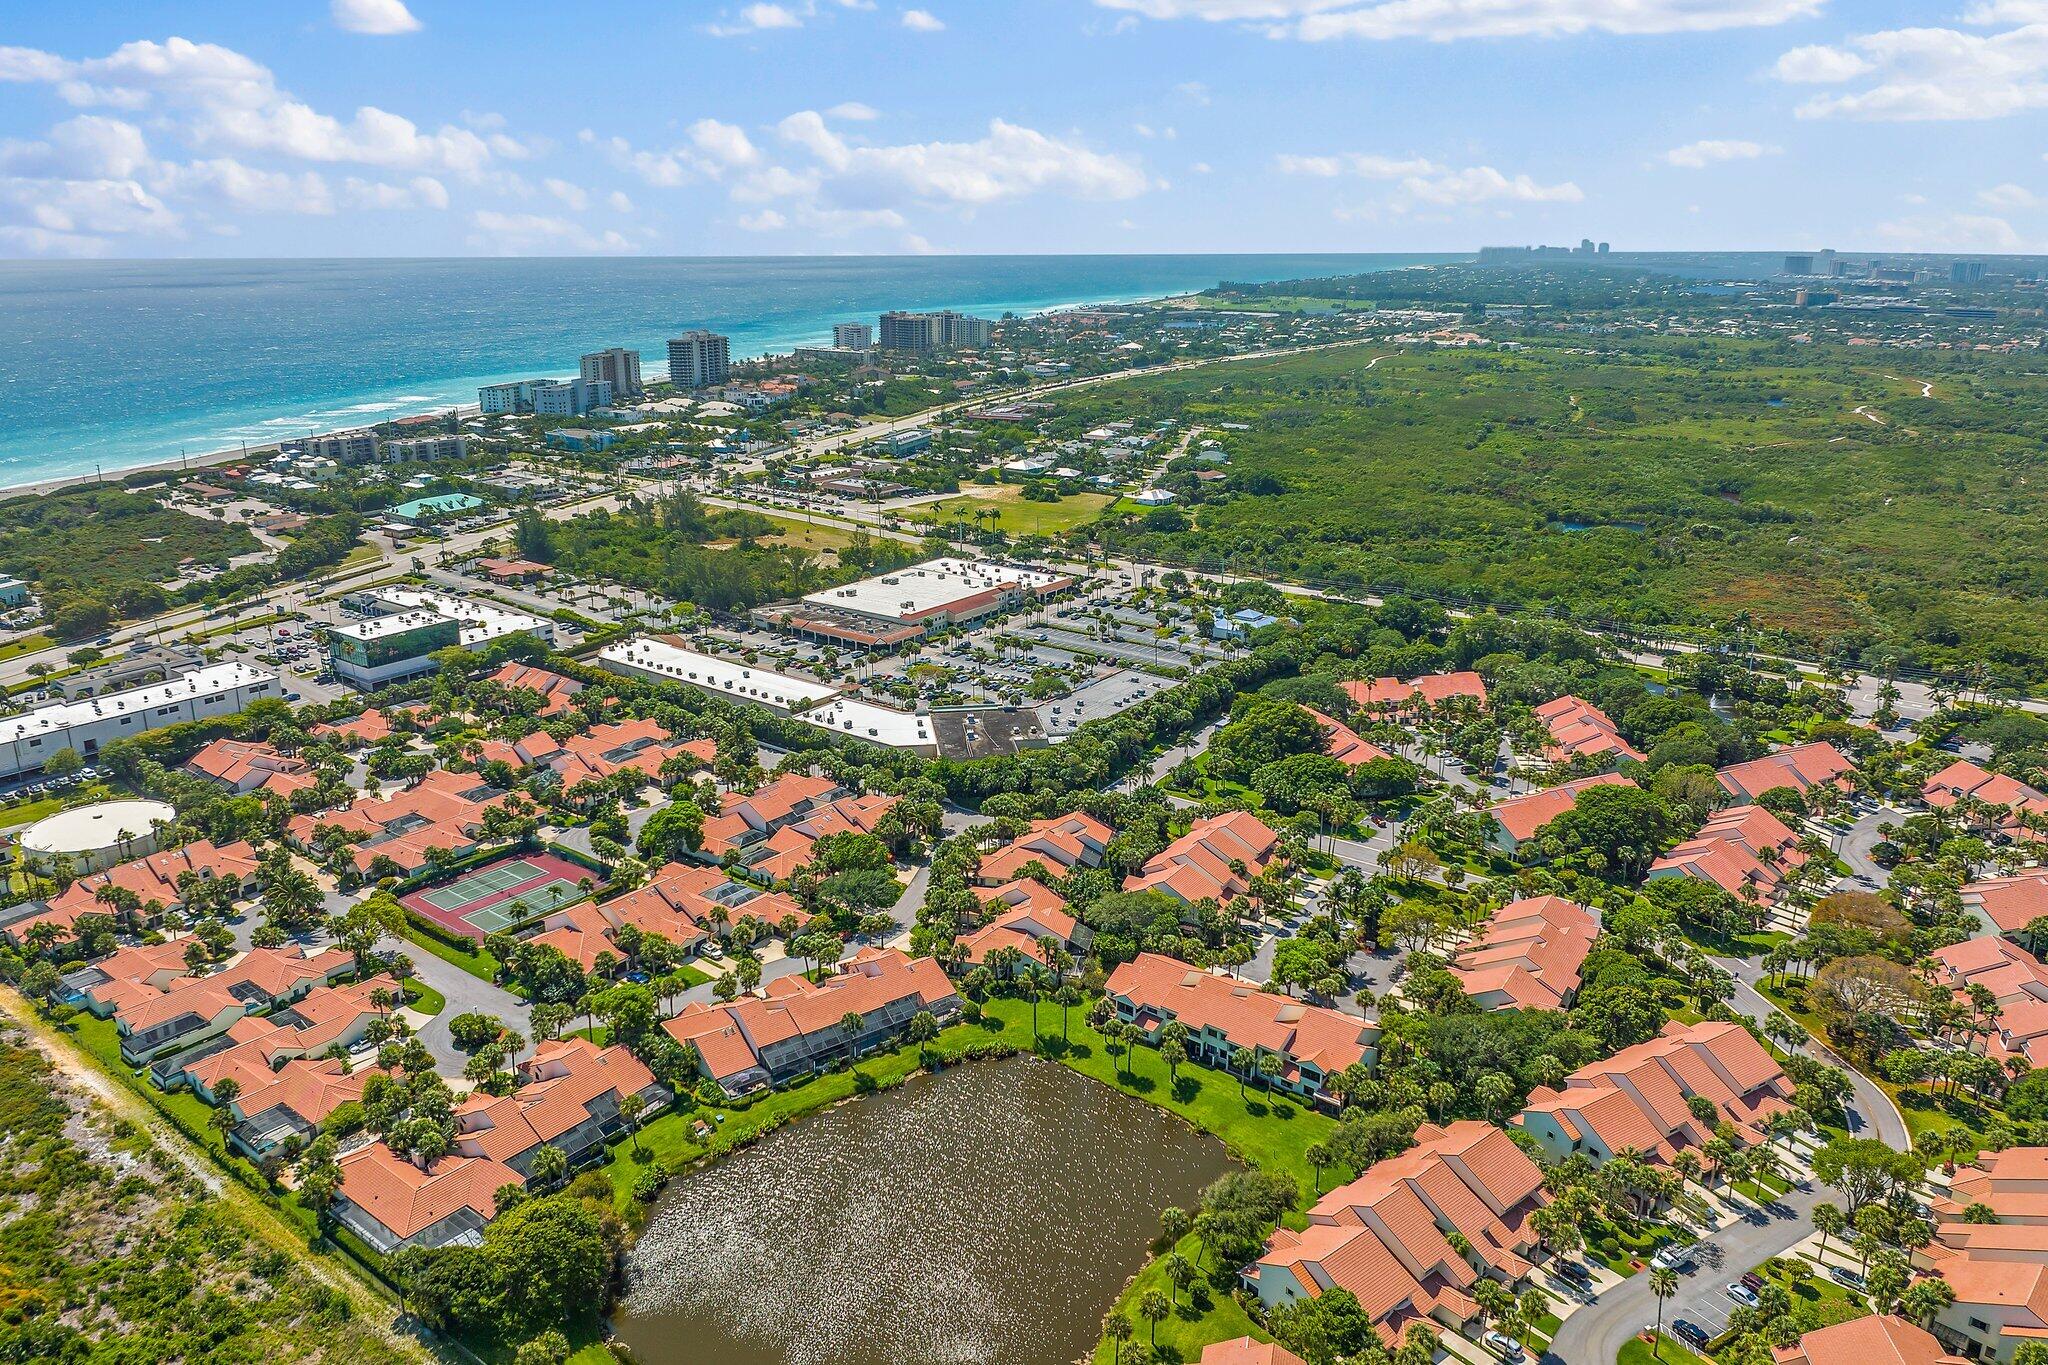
(326, 1019)
(392, 1203)
(1060, 844)
(582, 438)
(423, 512)
(2007, 905)
(1517, 820)
(557, 693)
(409, 626)
(2018, 983)
(1745, 850)
(1395, 697)
(617, 367)
(27, 741)
(796, 1026)
(1387, 1237)
(342, 447)
(443, 810)
(423, 450)
(283, 1109)
(791, 848)
(1346, 745)
(852, 336)
(1965, 784)
(699, 359)
(688, 905)
(1885, 1339)
(1223, 1014)
(508, 399)
(157, 883)
(192, 1009)
(601, 752)
(910, 332)
(1246, 1351)
(243, 767)
(569, 1098)
(13, 592)
(1528, 956)
(747, 818)
(1998, 1271)
(1640, 1098)
(1579, 729)
(371, 727)
(1216, 859)
(1024, 912)
(570, 397)
(1801, 767)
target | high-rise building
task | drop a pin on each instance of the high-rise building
(423, 449)
(515, 397)
(852, 336)
(570, 397)
(957, 329)
(1966, 272)
(698, 359)
(342, 447)
(618, 367)
(933, 331)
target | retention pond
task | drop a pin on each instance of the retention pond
(990, 1213)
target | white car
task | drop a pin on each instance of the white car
(1742, 1294)
(1503, 1345)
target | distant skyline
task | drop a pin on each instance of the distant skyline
(454, 127)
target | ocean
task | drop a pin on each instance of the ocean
(109, 365)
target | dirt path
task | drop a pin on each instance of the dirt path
(262, 1222)
(1926, 385)
(1864, 411)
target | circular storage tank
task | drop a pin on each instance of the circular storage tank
(96, 836)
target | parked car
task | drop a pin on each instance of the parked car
(1691, 1333)
(1572, 1273)
(1742, 1294)
(1503, 1345)
(1842, 1275)
(1754, 1281)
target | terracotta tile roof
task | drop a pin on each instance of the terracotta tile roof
(1434, 688)
(408, 1200)
(1020, 927)
(1579, 727)
(1729, 851)
(1167, 988)
(578, 933)
(1638, 1098)
(1061, 843)
(444, 809)
(603, 751)
(243, 767)
(2008, 971)
(563, 1082)
(557, 692)
(1887, 1340)
(371, 727)
(1245, 1351)
(1027, 892)
(2010, 903)
(1801, 767)
(260, 976)
(528, 751)
(155, 877)
(1197, 864)
(783, 799)
(1346, 746)
(1963, 778)
(1529, 954)
(311, 1025)
(2013, 1184)
(1522, 816)
(309, 1088)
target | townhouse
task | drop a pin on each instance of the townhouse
(1023, 913)
(1223, 1014)
(1802, 767)
(1346, 745)
(1579, 729)
(1387, 1236)
(1215, 860)
(157, 882)
(745, 819)
(443, 810)
(557, 693)
(2007, 905)
(326, 1020)
(192, 1009)
(242, 767)
(1528, 956)
(639, 746)
(2018, 983)
(791, 848)
(1391, 696)
(392, 1203)
(1745, 850)
(1885, 1339)
(1515, 821)
(1245, 1351)
(1640, 1098)
(797, 1026)
(1059, 844)
(569, 1097)
(121, 977)
(370, 728)
(686, 904)
(1964, 781)
(287, 1107)
(1997, 1271)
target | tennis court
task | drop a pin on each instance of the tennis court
(501, 894)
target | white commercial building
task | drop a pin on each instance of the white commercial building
(815, 703)
(86, 726)
(891, 609)
(410, 626)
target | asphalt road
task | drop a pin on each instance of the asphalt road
(1871, 1112)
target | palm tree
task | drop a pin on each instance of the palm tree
(1173, 1052)
(1155, 1308)
(924, 1027)
(850, 1025)
(1319, 1156)
(1663, 1284)
(630, 1109)
(1242, 1060)
(1118, 1329)
(1828, 1221)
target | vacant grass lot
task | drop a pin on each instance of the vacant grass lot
(1016, 515)
(1662, 481)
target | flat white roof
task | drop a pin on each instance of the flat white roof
(85, 829)
(727, 677)
(828, 710)
(480, 621)
(201, 683)
(921, 589)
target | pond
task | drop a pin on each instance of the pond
(990, 1213)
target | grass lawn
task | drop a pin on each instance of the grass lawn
(1638, 1352)
(1203, 1315)
(27, 644)
(1017, 516)
(692, 976)
(424, 998)
(477, 963)
(815, 538)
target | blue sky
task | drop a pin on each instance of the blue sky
(452, 127)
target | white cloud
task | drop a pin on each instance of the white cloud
(238, 186)
(89, 147)
(2007, 12)
(1953, 232)
(1368, 165)
(229, 101)
(1194, 92)
(922, 21)
(724, 143)
(619, 202)
(519, 234)
(35, 241)
(85, 207)
(763, 18)
(1697, 156)
(2008, 196)
(1926, 74)
(1444, 20)
(571, 194)
(1201, 168)
(1009, 162)
(1425, 182)
(853, 111)
(374, 16)
(766, 220)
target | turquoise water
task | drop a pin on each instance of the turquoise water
(114, 364)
